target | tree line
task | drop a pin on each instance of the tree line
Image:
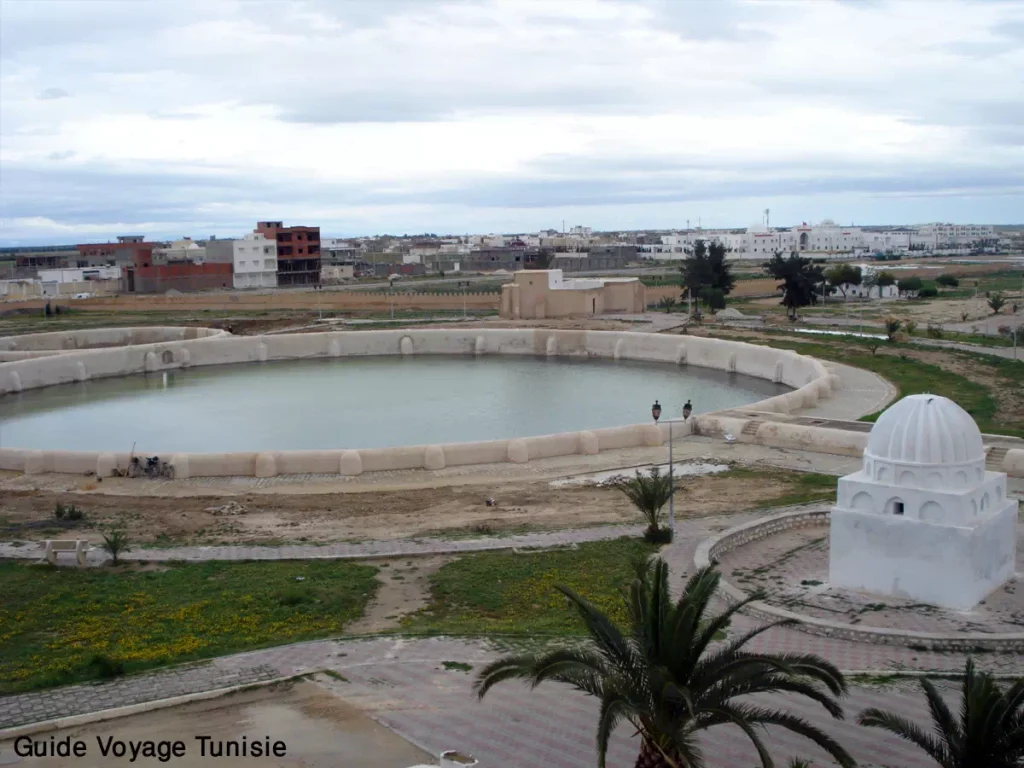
(707, 277)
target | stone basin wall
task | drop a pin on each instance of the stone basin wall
(807, 376)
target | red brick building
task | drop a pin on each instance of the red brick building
(298, 252)
(141, 275)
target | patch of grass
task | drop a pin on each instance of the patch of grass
(508, 593)
(804, 487)
(457, 665)
(913, 377)
(55, 621)
(336, 675)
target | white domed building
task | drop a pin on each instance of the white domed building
(923, 519)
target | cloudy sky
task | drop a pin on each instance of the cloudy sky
(197, 117)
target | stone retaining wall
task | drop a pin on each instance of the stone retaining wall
(711, 550)
(808, 377)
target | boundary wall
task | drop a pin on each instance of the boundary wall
(710, 551)
(807, 376)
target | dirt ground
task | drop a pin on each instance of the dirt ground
(359, 515)
(404, 589)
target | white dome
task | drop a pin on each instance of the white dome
(925, 429)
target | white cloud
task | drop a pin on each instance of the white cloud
(493, 104)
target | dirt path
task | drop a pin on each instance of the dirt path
(354, 516)
(404, 589)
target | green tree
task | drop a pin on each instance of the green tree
(801, 280)
(947, 281)
(661, 675)
(713, 297)
(650, 493)
(706, 267)
(996, 302)
(909, 285)
(885, 279)
(842, 275)
(986, 732)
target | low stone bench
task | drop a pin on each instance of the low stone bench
(51, 547)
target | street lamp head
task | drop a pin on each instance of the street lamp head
(656, 410)
(687, 409)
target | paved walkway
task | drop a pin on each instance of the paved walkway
(342, 551)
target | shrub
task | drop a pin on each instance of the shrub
(947, 281)
(996, 302)
(892, 326)
(910, 326)
(935, 331)
(963, 317)
(660, 535)
(115, 544)
(104, 667)
(68, 512)
(928, 292)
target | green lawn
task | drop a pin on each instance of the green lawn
(805, 487)
(913, 377)
(55, 621)
(507, 593)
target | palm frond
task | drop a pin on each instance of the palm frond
(909, 731)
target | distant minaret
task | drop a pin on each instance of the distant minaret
(767, 218)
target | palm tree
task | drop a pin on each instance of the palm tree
(988, 731)
(662, 676)
(115, 544)
(667, 303)
(650, 493)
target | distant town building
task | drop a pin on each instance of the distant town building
(298, 252)
(544, 293)
(253, 259)
(759, 241)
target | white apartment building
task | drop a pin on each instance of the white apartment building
(951, 235)
(759, 242)
(254, 261)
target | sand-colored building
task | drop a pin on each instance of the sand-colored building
(542, 293)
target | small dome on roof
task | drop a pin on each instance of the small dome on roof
(925, 429)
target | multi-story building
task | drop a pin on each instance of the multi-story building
(298, 252)
(253, 260)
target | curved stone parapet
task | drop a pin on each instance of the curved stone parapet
(57, 342)
(199, 347)
(710, 551)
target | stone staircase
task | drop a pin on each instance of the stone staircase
(994, 457)
(751, 427)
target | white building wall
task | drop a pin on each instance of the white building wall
(79, 275)
(254, 261)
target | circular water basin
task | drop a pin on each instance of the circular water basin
(366, 402)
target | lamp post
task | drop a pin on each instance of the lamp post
(656, 413)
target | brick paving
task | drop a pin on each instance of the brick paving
(791, 568)
(95, 697)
